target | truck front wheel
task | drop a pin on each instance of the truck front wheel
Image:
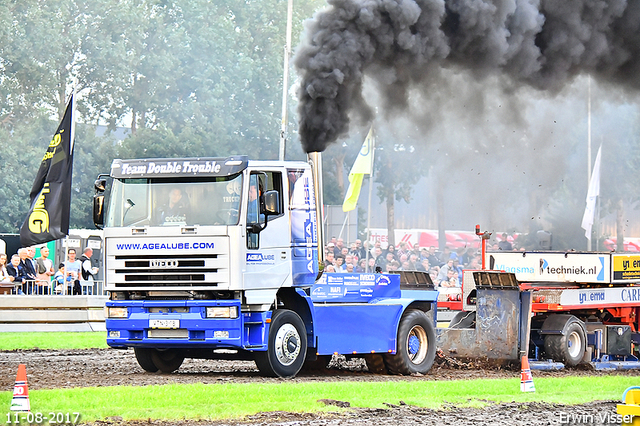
(416, 345)
(286, 346)
(143, 356)
(168, 360)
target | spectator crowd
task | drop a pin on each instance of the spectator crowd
(444, 267)
(25, 274)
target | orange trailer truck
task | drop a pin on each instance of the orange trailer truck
(585, 307)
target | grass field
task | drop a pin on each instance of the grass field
(53, 340)
(220, 401)
(233, 400)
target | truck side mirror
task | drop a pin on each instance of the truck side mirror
(100, 185)
(272, 203)
(98, 210)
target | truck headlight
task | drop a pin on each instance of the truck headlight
(222, 312)
(116, 312)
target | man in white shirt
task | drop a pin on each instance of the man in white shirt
(88, 271)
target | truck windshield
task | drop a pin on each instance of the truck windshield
(158, 202)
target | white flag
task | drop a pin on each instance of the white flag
(592, 195)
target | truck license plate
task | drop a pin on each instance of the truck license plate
(162, 323)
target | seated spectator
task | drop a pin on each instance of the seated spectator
(339, 265)
(16, 271)
(372, 265)
(59, 280)
(433, 258)
(390, 249)
(448, 281)
(349, 269)
(330, 268)
(455, 280)
(433, 274)
(362, 266)
(475, 263)
(402, 250)
(445, 269)
(392, 266)
(445, 255)
(330, 259)
(425, 265)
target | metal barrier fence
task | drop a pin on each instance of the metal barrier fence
(88, 288)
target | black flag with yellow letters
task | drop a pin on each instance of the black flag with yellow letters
(48, 218)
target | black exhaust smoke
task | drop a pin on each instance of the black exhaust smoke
(400, 43)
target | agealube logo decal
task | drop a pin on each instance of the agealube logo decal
(572, 270)
(260, 258)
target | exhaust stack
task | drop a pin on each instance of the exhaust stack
(315, 159)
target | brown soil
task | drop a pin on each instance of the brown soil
(49, 369)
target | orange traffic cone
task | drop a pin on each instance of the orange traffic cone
(526, 379)
(20, 401)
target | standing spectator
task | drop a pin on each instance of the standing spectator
(362, 266)
(340, 264)
(88, 270)
(44, 270)
(28, 269)
(339, 246)
(504, 243)
(72, 269)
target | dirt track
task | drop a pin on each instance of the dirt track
(110, 367)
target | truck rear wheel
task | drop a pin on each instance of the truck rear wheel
(286, 346)
(143, 356)
(375, 364)
(568, 348)
(416, 345)
(167, 361)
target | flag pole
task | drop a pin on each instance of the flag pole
(589, 146)
(373, 151)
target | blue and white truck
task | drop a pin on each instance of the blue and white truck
(217, 258)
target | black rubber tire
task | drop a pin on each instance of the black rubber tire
(463, 319)
(286, 346)
(316, 366)
(376, 364)
(143, 356)
(416, 345)
(562, 347)
(167, 361)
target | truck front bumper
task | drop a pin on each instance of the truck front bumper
(185, 324)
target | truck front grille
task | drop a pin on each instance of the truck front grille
(175, 271)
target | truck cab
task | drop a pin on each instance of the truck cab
(218, 258)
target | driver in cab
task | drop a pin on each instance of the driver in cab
(256, 203)
(175, 210)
